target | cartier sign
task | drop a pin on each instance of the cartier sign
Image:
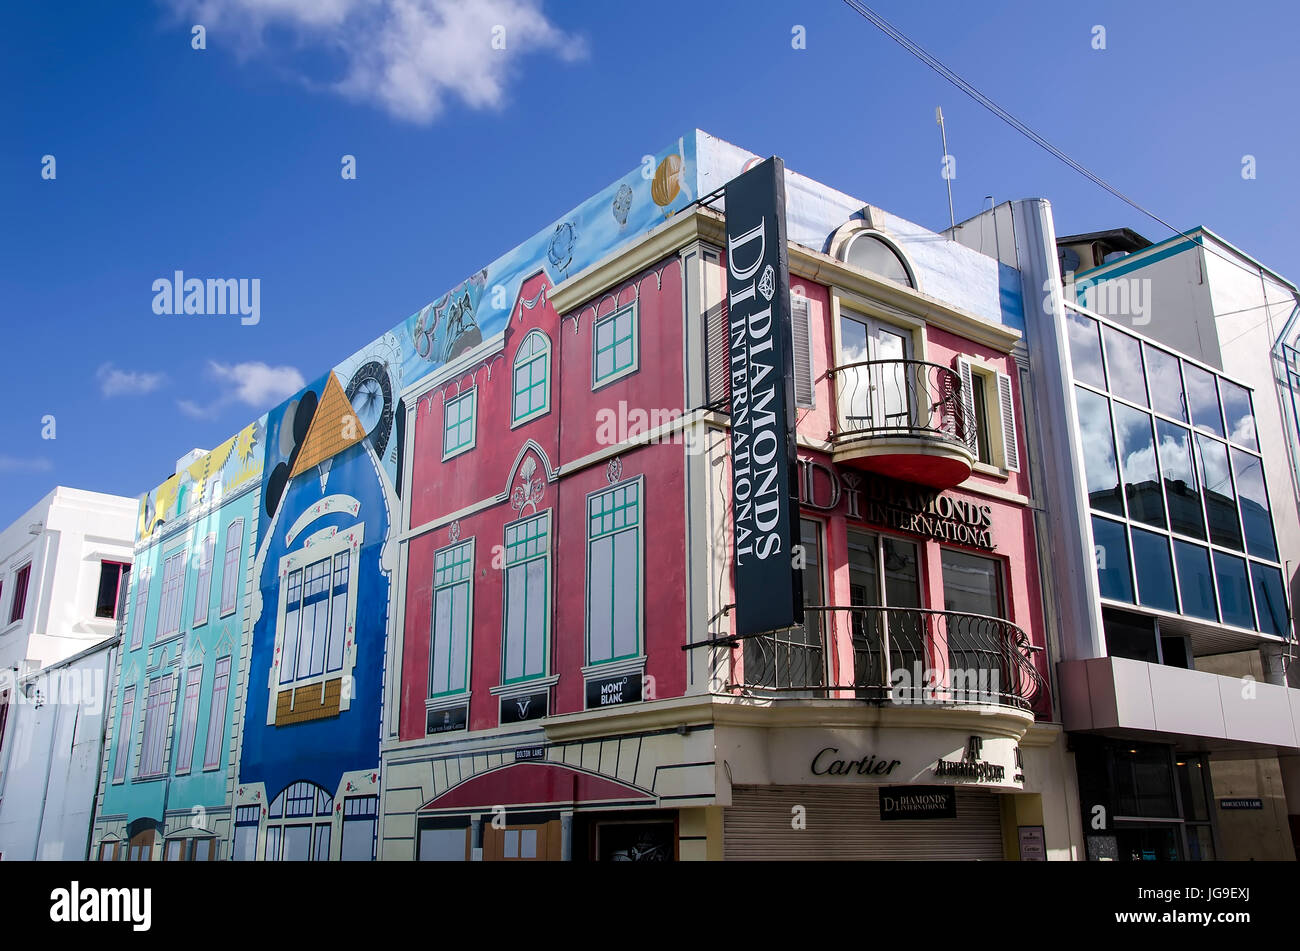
(891, 504)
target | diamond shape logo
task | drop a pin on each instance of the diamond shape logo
(767, 283)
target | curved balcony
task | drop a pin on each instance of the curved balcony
(905, 419)
(893, 655)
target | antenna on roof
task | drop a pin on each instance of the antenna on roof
(949, 165)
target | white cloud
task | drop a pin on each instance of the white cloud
(34, 464)
(115, 382)
(253, 383)
(406, 56)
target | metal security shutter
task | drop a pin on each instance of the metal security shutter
(845, 824)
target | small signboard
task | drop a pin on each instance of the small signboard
(1033, 848)
(525, 753)
(529, 706)
(917, 802)
(1241, 803)
(446, 720)
(611, 691)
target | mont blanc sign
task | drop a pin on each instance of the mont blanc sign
(764, 490)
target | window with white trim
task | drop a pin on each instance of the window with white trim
(157, 711)
(247, 821)
(173, 595)
(217, 714)
(360, 825)
(18, 606)
(298, 824)
(614, 345)
(453, 608)
(527, 596)
(140, 609)
(189, 719)
(203, 587)
(230, 568)
(125, 734)
(987, 399)
(614, 573)
(316, 611)
(458, 423)
(532, 378)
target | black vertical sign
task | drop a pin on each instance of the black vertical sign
(765, 519)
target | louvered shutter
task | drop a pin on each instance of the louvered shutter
(715, 344)
(800, 319)
(968, 404)
(1006, 410)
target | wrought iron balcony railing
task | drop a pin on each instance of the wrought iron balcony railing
(898, 655)
(880, 399)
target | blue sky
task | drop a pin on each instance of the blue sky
(225, 162)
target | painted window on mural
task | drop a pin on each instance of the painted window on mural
(173, 595)
(157, 709)
(203, 588)
(360, 824)
(614, 343)
(453, 605)
(614, 573)
(527, 621)
(247, 820)
(532, 378)
(230, 567)
(458, 423)
(189, 719)
(315, 614)
(126, 733)
(298, 824)
(140, 609)
(439, 844)
(217, 714)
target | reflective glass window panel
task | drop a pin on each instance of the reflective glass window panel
(1203, 399)
(1240, 418)
(1220, 502)
(1155, 571)
(1137, 457)
(1255, 514)
(1124, 366)
(1270, 599)
(1165, 383)
(1234, 590)
(971, 584)
(1085, 350)
(1098, 451)
(1111, 555)
(1182, 488)
(1194, 580)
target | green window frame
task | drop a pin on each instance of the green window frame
(614, 573)
(614, 345)
(459, 423)
(451, 620)
(526, 618)
(531, 395)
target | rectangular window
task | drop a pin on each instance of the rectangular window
(1137, 463)
(203, 589)
(532, 378)
(1098, 440)
(19, 605)
(189, 719)
(111, 576)
(157, 708)
(614, 574)
(444, 845)
(1110, 551)
(458, 422)
(360, 823)
(527, 621)
(125, 734)
(173, 594)
(972, 584)
(140, 609)
(230, 567)
(246, 823)
(453, 598)
(315, 615)
(217, 714)
(614, 342)
(980, 407)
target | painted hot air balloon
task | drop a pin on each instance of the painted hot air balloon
(622, 205)
(667, 182)
(563, 241)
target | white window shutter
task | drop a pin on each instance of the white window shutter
(968, 402)
(800, 320)
(1006, 409)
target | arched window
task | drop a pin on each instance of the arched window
(869, 252)
(298, 824)
(532, 378)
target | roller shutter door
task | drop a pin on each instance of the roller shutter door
(845, 824)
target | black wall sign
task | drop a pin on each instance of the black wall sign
(530, 706)
(526, 753)
(611, 691)
(917, 802)
(764, 477)
(446, 719)
(1239, 803)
